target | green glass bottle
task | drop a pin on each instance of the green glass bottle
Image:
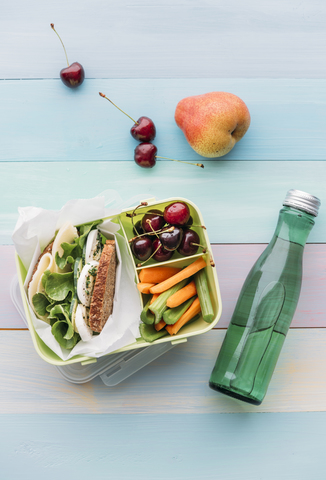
(266, 305)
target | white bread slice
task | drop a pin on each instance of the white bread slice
(102, 299)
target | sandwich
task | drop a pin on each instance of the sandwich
(73, 283)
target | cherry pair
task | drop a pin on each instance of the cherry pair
(144, 131)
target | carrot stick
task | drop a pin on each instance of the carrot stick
(157, 274)
(182, 295)
(185, 273)
(154, 297)
(192, 311)
(144, 287)
(161, 324)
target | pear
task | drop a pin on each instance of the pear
(213, 122)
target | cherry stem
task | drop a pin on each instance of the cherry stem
(52, 26)
(116, 106)
(198, 245)
(181, 161)
(152, 233)
(150, 226)
(141, 264)
(142, 204)
(212, 262)
(201, 226)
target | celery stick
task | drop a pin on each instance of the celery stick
(203, 295)
(159, 306)
(172, 315)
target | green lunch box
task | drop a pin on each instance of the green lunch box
(164, 343)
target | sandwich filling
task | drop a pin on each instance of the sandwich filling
(73, 282)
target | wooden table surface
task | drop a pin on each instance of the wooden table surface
(57, 144)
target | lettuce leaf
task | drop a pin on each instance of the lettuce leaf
(70, 252)
(64, 334)
(40, 303)
(58, 285)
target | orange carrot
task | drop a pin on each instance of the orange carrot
(182, 295)
(144, 287)
(192, 311)
(157, 274)
(161, 324)
(154, 297)
(178, 277)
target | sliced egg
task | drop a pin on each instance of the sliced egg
(86, 282)
(81, 326)
(93, 247)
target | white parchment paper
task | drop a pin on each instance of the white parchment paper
(35, 229)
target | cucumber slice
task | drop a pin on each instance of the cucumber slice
(72, 311)
(84, 254)
(78, 266)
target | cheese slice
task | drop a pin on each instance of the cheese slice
(46, 263)
(66, 234)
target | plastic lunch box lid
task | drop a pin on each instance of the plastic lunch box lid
(112, 369)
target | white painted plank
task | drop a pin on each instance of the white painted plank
(239, 201)
(125, 39)
(177, 382)
(124, 447)
(42, 120)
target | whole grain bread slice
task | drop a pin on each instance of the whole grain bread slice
(102, 299)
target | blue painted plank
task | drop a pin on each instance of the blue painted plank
(54, 123)
(157, 447)
(239, 201)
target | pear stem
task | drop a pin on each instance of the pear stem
(181, 161)
(52, 26)
(116, 106)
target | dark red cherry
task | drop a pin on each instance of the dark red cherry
(161, 255)
(145, 155)
(177, 213)
(156, 219)
(142, 248)
(187, 247)
(144, 130)
(171, 240)
(138, 229)
(73, 76)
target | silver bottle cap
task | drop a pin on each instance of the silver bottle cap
(302, 201)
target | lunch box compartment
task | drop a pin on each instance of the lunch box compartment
(162, 344)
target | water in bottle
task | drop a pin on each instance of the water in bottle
(266, 305)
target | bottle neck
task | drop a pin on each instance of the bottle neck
(294, 225)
